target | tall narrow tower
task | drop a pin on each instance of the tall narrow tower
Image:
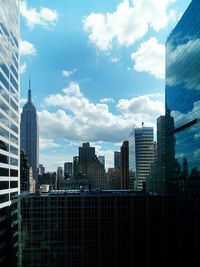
(29, 133)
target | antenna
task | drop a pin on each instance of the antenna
(29, 89)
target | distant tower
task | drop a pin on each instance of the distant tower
(68, 169)
(86, 154)
(29, 133)
(124, 165)
(141, 156)
(117, 160)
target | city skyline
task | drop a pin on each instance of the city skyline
(104, 76)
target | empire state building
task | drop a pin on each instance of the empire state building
(29, 134)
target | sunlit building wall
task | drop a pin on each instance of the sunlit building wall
(141, 156)
(9, 119)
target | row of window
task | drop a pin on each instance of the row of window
(5, 185)
(7, 37)
(8, 173)
(4, 133)
(5, 146)
(5, 159)
(5, 108)
(5, 121)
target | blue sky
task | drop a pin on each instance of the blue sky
(97, 68)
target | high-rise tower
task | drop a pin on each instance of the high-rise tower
(183, 101)
(141, 155)
(29, 133)
(9, 119)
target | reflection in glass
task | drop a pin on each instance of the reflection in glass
(183, 95)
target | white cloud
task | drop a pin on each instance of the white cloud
(27, 49)
(46, 143)
(107, 100)
(143, 108)
(130, 22)
(77, 118)
(43, 17)
(23, 101)
(150, 57)
(68, 73)
(23, 68)
(179, 73)
(51, 161)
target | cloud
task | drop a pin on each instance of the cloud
(68, 73)
(46, 143)
(178, 65)
(107, 100)
(23, 68)
(129, 23)
(27, 49)
(51, 161)
(78, 119)
(43, 16)
(146, 106)
(23, 101)
(150, 57)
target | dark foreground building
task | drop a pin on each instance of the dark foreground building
(111, 228)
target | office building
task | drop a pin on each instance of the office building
(102, 160)
(109, 228)
(96, 174)
(76, 167)
(124, 165)
(68, 169)
(183, 101)
(141, 156)
(27, 183)
(90, 167)
(60, 173)
(86, 154)
(41, 169)
(48, 178)
(117, 160)
(30, 135)
(9, 119)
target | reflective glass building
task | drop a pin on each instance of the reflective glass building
(29, 134)
(9, 118)
(141, 155)
(183, 100)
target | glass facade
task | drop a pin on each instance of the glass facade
(183, 100)
(141, 156)
(9, 118)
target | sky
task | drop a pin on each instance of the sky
(97, 69)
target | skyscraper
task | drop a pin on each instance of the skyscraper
(141, 156)
(124, 165)
(102, 160)
(117, 160)
(183, 100)
(68, 169)
(29, 134)
(9, 119)
(86, 154)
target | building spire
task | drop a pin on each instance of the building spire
(29, 90)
